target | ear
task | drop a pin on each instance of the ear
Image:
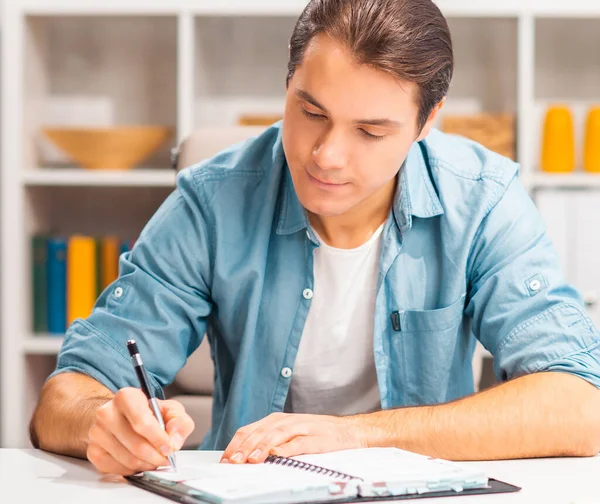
(430, 120)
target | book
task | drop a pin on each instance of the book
(39, 286)
(109, 259)
(81, 277)
(98, 253)
(56, 268)
(344, 476)
(125, 246)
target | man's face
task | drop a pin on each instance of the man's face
(347, 129)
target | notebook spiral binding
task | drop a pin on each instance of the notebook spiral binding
(304, 466)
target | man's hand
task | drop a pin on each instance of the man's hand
(287, 435)
(126, 438)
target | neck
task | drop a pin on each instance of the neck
(353, 228)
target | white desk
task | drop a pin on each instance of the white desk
(61, 480)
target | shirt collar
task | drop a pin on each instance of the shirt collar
(416, 195)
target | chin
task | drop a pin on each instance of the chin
(324, 208)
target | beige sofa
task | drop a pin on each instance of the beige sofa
(193, 387)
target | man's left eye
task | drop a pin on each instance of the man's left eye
(371, 136)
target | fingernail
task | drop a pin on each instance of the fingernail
(237, 457)
(255, 454)
(165, 450)
(176, 441)
(225, 461)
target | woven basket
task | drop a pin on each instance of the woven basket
(118, 148)
(494, 131)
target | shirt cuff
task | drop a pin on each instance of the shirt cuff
(88, 351)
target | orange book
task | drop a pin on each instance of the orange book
(109, 260)
(81, 277)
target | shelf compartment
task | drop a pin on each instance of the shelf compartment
(241, 67)
(104, 71)
(93, 211)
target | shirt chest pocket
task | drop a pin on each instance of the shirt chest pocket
(430, 352)
(437, 320)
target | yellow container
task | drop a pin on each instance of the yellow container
(558, 141)
(591, 150)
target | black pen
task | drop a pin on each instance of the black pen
(140, 371)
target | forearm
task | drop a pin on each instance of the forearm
(65, 412)
(545, 414)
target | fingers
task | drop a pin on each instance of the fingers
(105, 463)
(112, 451)
(133, 405)
(300, 445)
(240, 436)
(126, 438)
(259, 446)
(113, 422)
(253, 443)
(178, 423)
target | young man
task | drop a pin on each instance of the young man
(342, 265)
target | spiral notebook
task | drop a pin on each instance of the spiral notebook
(342, 476)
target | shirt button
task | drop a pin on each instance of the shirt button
(118, 292)
(308, 294)
(590, 298)
(535, 285)
(286, 372)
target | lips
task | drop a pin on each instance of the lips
(318, 180)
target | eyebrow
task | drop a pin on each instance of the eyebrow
(306, 96)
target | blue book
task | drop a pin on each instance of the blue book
(57, 286)
(125, 246)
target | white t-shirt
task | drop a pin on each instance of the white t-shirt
(334, 372)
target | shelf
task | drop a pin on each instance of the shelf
(451, 8)
(94, 7)
(100, 178)
(141, 7)
(577, 180)
(42, 345)
(236, 7)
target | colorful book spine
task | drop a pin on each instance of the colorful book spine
(125, 246)
(39, 284)
(98, 252)
(81, 277)
(56, 269)
(109, 259)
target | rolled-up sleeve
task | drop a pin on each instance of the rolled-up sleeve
(161, 299)
(522, 308)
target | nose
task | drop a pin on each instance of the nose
(330, 151)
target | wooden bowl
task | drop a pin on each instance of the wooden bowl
(118, 148)
(259, 119)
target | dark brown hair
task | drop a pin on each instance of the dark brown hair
(409, 39)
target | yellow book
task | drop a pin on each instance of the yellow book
(81, 277)
(109, 260)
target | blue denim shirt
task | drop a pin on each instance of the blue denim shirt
(229, 254)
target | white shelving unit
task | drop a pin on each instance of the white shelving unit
(539, 181)
(42, 345)
(100, 178)
(201, 63)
